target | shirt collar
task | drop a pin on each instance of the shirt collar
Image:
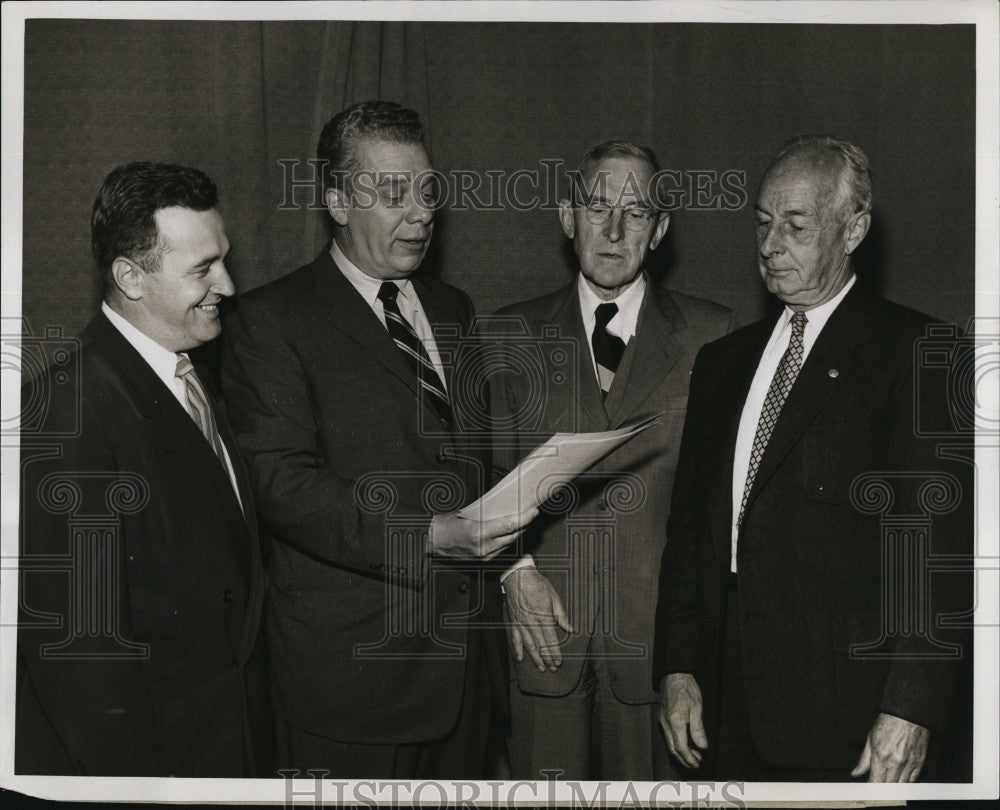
(161, 360)
(817, 317)
(629, 303)
(365, 284)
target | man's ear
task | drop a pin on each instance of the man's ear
(337, 205)
(662, 223)
(566, 218)
(128, 278)
(857, 230)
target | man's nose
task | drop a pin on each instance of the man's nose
(770, 243)
(223, 284)
(613, 228)
(419, 211)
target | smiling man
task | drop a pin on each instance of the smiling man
(156, 666)
(779, 659)
(581, 612)
(347, 413)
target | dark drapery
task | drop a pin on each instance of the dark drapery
(235, 98)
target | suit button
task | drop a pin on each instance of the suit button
(227, 596)
(602, 505)
(463, 587)
(596, 571)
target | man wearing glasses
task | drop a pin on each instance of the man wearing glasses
(580, 601)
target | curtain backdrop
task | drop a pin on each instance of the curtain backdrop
(235, 98)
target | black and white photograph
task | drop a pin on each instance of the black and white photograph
(577, 404)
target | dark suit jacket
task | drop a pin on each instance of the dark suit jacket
(367, 633)
(133, 544)
(608, 587)
(814, 555)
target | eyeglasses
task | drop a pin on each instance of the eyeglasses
(635, 218)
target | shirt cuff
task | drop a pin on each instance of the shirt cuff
(524, 562)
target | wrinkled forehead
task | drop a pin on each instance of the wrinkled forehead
(391, 157)
(619, 180)
(802, 181)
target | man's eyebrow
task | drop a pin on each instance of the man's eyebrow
(791, 212)
(212, 257)
(392, 179)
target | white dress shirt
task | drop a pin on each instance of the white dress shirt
(407, 301)
(164, 365)
(623, 325)
(774, 350)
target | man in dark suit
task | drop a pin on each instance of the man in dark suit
(346, 404)
(139, 651)
(581, 700)
(795, 601)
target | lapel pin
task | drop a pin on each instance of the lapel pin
(833, 373)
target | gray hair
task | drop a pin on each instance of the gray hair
(613, 148)
(856, 171)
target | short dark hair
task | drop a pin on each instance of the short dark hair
(856, 170)
(369, 120)
(613, 148)
(123, 222)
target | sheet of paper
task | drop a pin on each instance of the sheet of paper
(558, 461)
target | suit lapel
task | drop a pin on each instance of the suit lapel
(565, 314)
(651, 353)
(444, 325)
(734, 382)
(249, 555)
(354, 318)
(836, 348)
(174, 428)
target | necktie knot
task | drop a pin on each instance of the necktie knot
(184, 366)
(604, 313)
(387, 292)
(799, 320)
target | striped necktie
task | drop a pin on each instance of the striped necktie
(608, 348)
(413, 350)
(198, 407)
(781, 384)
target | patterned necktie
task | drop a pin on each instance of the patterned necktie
(198, 407)
(413, 349)
(781, 384)
(608, 348)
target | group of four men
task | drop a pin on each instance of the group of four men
(345, 425)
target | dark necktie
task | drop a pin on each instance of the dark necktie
(608, 348)
(413, 350)
(198, 407)
(781, 384)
